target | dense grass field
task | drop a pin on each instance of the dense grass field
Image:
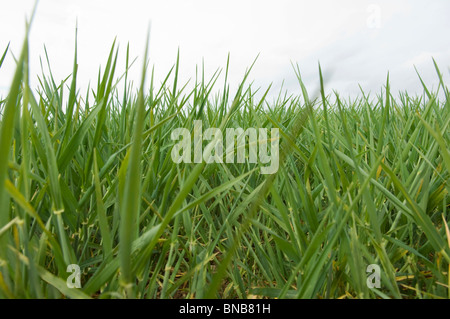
(87, 178)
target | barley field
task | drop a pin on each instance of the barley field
(87, 183)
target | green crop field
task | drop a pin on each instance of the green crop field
(87, 180)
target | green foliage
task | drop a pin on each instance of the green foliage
(360, 182)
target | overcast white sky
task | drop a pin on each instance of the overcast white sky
(356, 41)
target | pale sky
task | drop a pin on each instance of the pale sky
(356, 41)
